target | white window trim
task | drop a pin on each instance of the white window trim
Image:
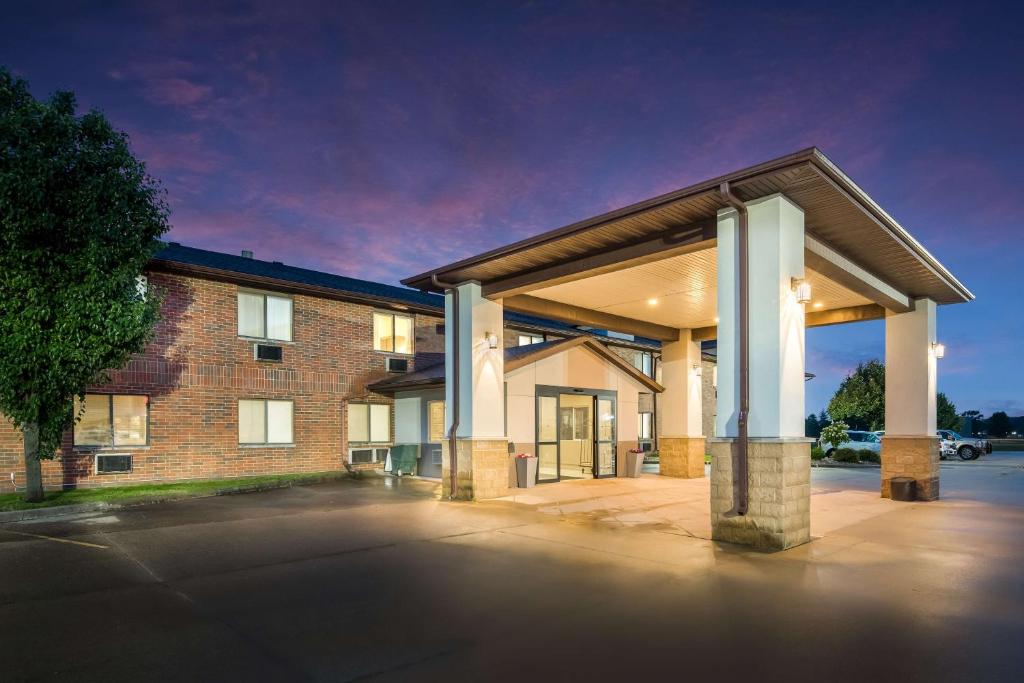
(266, 425)
(352, 443)
(111, 446)
(266, 295)
(393, 315)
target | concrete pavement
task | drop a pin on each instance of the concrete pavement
(378, 580)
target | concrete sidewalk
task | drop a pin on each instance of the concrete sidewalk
(681, 506)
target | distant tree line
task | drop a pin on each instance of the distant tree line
(860, 403)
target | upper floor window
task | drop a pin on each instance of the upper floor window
(265, 316)
(644, 362)
(392, 332)
(369, 423)
(527, 339)
(262, 422)
(112, 420)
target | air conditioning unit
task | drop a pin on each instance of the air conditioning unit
(112, 464)
(267, 352)
(396, 364)
(367, 455)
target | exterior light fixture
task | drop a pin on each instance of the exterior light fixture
(492, 340)
(696, 370)
(939, 349)
(802, 289)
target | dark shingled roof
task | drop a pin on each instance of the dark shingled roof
(174, 253)
(178, 256)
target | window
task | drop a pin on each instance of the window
(644, 427)
(527, 339)
(644, 362)
(369, 423)
(435, 421)
(112, 420)
(264, 316)
(392, 333)
(264, 423)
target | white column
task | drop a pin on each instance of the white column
(680, 403)
(910, 373)
(481, 369)
(776, 248)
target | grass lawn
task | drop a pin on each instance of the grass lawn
(143, 493)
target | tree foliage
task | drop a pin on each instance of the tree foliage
(999, 424)
(79, 219)
(860, 399)
(945, 414)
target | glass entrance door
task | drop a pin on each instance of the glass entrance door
(547, 438)
(604, 465)
(575, 436)
(576, 433)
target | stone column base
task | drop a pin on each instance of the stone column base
(681, 456)
(779, 508)
(483, 469)
(912, 456)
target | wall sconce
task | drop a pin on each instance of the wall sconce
(802, 289)
(492, 340)
(939, 349)
(697, 372)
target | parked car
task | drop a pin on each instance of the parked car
(965, 448)
(859, 440)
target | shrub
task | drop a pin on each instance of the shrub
(817, 453)
(845, 455)
(869, 456)
(835, 434)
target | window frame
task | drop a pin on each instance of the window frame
(266, 295)
(369, 426)
(444, 418)
(266, 424)
(537, 338)
(110, 424)
(393, 315)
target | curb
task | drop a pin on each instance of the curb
(55, 511)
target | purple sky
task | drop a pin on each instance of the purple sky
(378, 139)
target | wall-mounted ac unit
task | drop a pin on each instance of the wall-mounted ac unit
(113, 463)
(396, 364)
(366, 455)
(267, 352)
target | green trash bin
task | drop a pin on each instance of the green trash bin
(403, 458)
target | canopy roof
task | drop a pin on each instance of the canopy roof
(838, 215)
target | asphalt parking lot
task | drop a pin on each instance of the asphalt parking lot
(378, 580)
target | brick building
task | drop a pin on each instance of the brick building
(201, 403)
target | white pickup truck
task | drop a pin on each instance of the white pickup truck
(964, 448)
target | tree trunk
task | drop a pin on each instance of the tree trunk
(33, 467)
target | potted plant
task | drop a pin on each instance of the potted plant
(526, 470)
(634, 462)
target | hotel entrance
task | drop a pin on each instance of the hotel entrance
(575, 433)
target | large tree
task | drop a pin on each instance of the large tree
(945, 414)
(860, 399)
(79, 219)
(999, 424)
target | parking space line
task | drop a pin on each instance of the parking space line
(54, 538)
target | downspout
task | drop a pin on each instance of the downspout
(743, 440)
(453, 443)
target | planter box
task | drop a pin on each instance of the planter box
(634, 464)
(526, 472)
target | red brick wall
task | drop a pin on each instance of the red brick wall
(197, 368)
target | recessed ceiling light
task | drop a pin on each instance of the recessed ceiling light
(652, 302)
(716, 320)
(818, 304)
